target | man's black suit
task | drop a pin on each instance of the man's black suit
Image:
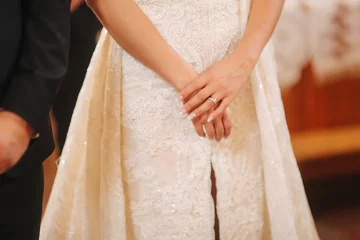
(33, 60)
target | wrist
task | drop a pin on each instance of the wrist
(183, 77)
(173, 68)
(75, 4)
(246, 54)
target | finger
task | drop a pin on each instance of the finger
(206, 106)
(202, 118)
(198, 99)
(198, 124)
(219, 111)
(219, 129)
(193, 86)
(199, 128)
(227, 124)
(210, 130)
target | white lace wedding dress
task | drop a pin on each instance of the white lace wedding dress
(133, 168)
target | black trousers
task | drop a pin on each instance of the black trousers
(21, 205)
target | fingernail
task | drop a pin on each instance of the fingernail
(180, 98)
(191, 116)
(183, 112)
(210, 119)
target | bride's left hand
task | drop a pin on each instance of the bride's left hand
(222, 81)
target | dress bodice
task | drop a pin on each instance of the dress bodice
(200, 31)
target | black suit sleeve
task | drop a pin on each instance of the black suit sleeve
(42, 62)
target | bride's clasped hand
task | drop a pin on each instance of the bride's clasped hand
(211, 92)
(218, 129)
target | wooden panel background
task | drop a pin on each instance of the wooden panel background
(309, 106)
(324, 122)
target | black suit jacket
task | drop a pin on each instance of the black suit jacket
(33, 60)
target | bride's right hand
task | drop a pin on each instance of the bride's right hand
(218, 129)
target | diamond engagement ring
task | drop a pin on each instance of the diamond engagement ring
(213, 100)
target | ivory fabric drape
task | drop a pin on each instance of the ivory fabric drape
(132, 168)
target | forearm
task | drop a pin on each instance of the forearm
(134, 32)
(264, 15)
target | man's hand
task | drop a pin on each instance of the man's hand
(15, 135)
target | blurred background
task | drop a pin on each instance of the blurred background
(317, 48)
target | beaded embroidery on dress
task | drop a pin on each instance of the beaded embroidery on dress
(133, 169)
